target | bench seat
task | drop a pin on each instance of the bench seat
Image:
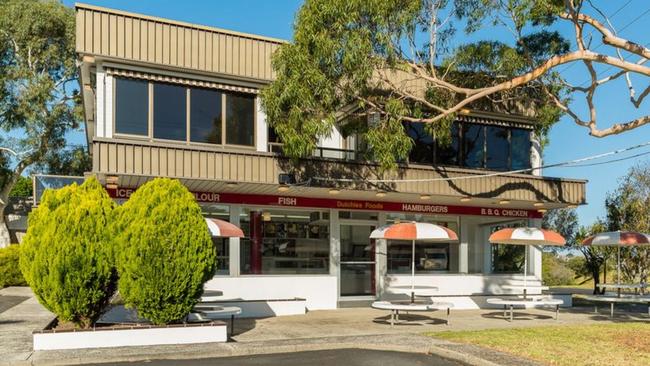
(396, 307)
(623, 299)
(509, 304)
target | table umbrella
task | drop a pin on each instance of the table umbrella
(223, 229)
(618, 239)
(526, 236)
(415, 231)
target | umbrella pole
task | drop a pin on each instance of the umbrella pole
(413, 272)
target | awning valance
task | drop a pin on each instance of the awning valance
(179, 80)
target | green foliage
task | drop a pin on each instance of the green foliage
(563, 221)
(72, 161)
(556, 271)
(39, 91)
(628, 209)
(165, 253)
(9, 270)
(66, 256)
(343, 49)
(22, 188)
(338, 45)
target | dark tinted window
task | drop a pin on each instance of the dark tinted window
(497, 148)
(520, 141)
(169, 112)
(131, 106)
(447, 154)
(205, 116)
(422, 151)
(240, 120)
(473, 143)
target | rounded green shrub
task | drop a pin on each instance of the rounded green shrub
(10, 274)
(66, 256)
(165, 252)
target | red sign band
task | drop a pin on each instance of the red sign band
(289, 201)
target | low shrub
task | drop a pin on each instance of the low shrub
(10, 274)
(66, 256)
(165, 252)
(556, 272)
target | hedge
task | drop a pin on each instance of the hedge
(66, 256)
(10, 274)
(165, 251)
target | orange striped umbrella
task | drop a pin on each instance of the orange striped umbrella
(618, 239)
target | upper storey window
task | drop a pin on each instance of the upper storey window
(474, 146)
(205, 116)
(131, 107)
(240, 120)
(169, 112)
(184, 114)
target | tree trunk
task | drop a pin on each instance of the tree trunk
(5, 239)
(595, 273)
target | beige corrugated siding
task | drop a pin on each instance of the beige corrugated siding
(182, 162)
(116, 34)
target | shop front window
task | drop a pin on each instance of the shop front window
(281, 242)
(507, 258)
(429, 257)
(221, 245)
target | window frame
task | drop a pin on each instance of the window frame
(187, 142)
(460, 153)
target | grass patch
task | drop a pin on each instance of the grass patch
(607, 344)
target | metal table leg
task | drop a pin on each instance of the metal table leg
(557, 311)
(392, 318)
(611, 310)
(232, 325)
(596, 309)
(448, 311)
(511, 313)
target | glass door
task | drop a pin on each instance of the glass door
(357, 261)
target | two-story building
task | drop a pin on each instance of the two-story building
(170, 99)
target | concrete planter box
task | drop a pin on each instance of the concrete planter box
(135, 336)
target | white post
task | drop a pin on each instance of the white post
(335, 248)
(463, 246)
(234, 262)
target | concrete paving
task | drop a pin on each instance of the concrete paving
(354, 328)
(17, 324)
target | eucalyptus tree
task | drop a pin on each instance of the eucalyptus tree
(39, 99)
(393, 61)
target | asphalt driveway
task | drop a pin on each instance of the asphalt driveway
(348, 357)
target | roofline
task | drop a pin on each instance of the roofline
(179, 23)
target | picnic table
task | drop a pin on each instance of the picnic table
(509, 304)
(622, 286)
(416, 291)
(626, 299)
(396, 307)
(525, 288)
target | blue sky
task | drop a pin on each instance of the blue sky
(568, 141)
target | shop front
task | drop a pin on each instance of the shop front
(319, 250)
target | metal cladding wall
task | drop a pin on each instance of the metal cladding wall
(121, 35)
(119, 157)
